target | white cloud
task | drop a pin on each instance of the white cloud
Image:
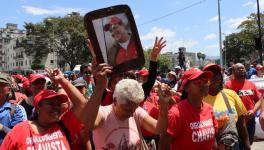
(210, 36)
(212, 46)
(253, 5)
(170, 36)
(249, 3)
(215, 18)
(235, 22)
(160, 32)
(42, 11)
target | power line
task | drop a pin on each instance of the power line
(172, 13)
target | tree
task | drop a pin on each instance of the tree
(66, 36)
(241, 46)
(203, 56)
(163, 61)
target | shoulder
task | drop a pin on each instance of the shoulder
(229, 92)
(20, 127)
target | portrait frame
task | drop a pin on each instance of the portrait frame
(98, 24)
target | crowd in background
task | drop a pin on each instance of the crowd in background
(206, 108)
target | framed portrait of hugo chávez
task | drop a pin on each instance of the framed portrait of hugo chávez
(114, 36)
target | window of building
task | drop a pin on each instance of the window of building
(51, 61)
(26, 62)
(21, 63)
(17, 63)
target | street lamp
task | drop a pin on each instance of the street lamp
(259, 40)
(220, 34)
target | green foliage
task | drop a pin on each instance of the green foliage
(66, 36)
(37, 66)
(241, 46)
(163, 61)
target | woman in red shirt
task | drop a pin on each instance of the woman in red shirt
(192, 123)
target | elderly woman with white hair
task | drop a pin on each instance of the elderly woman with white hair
(116, 126)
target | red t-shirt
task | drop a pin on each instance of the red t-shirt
(246, 90)
(151, 106)
(191, 127)
(125, 55)
(108, 99)
(23, 137)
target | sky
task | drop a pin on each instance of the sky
(188, 23)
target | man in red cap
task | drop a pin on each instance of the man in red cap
(143, 75)
(37, 83)
(124, 48)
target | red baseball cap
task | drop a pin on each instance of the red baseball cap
(112, 21)
(143, 72)
(259, 67)
(18, 76)
(49, 95)
(212, 66)
(35, 77)
(26, 83)
(192, 74)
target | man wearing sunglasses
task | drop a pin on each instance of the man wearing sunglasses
(124, 48)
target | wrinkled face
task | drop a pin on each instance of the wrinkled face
(50, 110)
(239, 71)
(199, 86)
(4, 89)
(127, 109)
(118, 32)
(37, 86)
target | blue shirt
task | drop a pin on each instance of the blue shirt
(10, 121)
(250, 72)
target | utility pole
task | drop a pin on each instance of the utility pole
(260, 35)
(220, 34)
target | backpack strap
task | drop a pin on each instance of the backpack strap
(226, 102)
(66, 132)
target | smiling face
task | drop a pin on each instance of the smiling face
(49, 110)
(119, 33)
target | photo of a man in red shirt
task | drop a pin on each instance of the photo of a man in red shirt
(123, 49)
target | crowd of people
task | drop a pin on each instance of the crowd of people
(202, 108)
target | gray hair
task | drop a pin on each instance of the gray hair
(128, 89)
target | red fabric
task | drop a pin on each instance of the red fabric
(192, 127)
(125, 55)
(108, 100)
(151, 106)
(54, 138)
(246, 90)
(34, 77)
(49, 95)
(192, 74)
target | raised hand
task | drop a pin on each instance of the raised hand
(164, 93)
(100, 74)
(158, 45)
(55, 75)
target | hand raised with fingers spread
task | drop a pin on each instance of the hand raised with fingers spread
(100, 74)
(158, 45)
(55, 75)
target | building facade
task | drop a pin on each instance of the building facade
(13, 56)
